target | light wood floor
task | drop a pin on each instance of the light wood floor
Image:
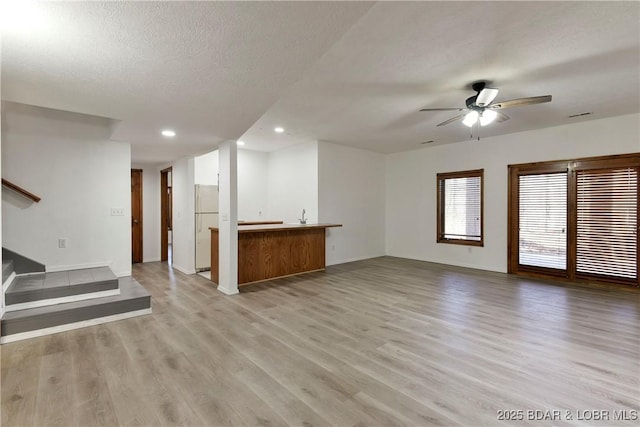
(378, 342)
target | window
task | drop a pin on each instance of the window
(460, 207)
(576, 219)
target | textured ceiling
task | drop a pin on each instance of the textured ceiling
(208, 70)
(367, 90)
(350, 73)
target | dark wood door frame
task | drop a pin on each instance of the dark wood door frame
(136, 216)
(571, 167)
(166, 220)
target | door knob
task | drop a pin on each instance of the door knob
(135, 221)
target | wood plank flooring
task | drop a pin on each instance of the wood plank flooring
(380, 342)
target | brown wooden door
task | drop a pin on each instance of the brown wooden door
(136, 215)
(166, 213)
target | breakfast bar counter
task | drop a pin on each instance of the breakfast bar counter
(268, 251)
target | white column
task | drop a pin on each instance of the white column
(1, 299)
(228, 225)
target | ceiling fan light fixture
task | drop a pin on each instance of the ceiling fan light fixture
(471, 118)
(486, 96)
(487, 117)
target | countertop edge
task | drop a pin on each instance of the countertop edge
(279, 227)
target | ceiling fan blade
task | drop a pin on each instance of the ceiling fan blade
(442, 109)
(486, 96)
(451, 120)
(521, 101)
(501, 117)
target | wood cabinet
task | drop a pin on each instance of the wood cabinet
(267, 251)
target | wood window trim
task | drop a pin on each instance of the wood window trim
(571, 166)
(440, 207)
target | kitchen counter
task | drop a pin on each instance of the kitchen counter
(244, 223)
(270, 250)
(258, 227)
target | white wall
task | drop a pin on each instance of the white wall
(411, 184)
(183, 172)
(206, 169)
(351, 192)
(293, 183)
(150, 212)
(253, 173)
(66, 159)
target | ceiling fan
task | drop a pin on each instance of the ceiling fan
(481, 108)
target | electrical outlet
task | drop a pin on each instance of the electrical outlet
(62, 243)
(117, 211)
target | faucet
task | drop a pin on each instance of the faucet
(303, 220)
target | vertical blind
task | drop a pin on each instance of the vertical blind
(607, 221)
(543, 220)
(461, 201)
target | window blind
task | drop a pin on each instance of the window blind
(462, 208)
(607, 221)
(543, 220)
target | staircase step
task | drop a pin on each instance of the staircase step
(22, 264)
(133, 300)
(7, 269)
(44, 286)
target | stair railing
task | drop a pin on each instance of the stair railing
(20, 190)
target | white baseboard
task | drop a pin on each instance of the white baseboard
(7, 282)
(151, 260)
(126, 273)
(228, 291)
(62, 300)
(70, 326)
(346, 260)
(78, 266)
(183, 270)
(448, 262)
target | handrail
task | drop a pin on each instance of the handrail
(20, 190)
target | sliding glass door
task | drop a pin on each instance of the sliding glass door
(542, 238)
(576, 219)
(607, 220)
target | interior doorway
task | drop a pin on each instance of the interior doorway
(136, 215)
(166, 216)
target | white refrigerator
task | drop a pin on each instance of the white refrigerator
(206, 216)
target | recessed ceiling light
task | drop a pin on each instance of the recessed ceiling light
(168, 133)
(240, 142)
(20, 16)
(278, 130)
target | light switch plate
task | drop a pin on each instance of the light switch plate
(117, 211)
